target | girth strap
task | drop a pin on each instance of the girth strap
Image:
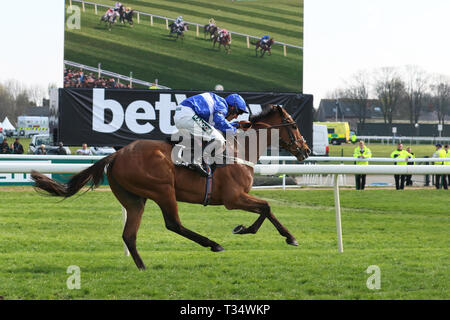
(209, 187)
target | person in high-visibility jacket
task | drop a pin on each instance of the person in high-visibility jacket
(404, 155)
(408, 180)
(361, 152)
(447, 152)
(440, 153)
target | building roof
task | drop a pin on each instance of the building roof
(347, 109)
(37, 112)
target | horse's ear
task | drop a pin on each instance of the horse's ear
(279, 108)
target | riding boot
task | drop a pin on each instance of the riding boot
(197, 164)
(190, 161)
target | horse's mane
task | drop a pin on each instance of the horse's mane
(267, 110)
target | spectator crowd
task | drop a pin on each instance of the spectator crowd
(78, 79)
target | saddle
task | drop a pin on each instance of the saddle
(206, 171)
(185, 157)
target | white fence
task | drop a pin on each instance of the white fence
(336, 170)
(197, 25)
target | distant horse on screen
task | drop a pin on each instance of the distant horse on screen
(126, 15)
(179, 29)
(109, 20)
(263, 47)
(223, 39)
(210, 30)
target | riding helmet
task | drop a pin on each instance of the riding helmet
(237, 101)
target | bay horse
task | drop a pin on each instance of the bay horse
(144, 170)
(210, 30)
(224, 40)
(179, 29)
(126, 15)
(109, 20)
(264, 47)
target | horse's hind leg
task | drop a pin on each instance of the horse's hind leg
(135, 208)
(169, 210)
(250, 203)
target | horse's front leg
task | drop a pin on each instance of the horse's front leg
(252, 204)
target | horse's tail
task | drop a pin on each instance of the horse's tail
(94, 174)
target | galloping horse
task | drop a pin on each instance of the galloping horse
(179, 29)
(224, 40)
(109, 19)
(144, 170)
(126, 15)
(210, 30)
(264, 47)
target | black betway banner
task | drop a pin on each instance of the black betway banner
(114, 117)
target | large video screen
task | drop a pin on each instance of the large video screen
(140, 44)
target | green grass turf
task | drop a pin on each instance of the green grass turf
(149, 52)
(406, 236)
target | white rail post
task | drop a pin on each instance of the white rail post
(82, 5)
(124, 220)
(167, 24)
(284, 50)
(95, 8)
(284, 178)
(151, 20)
(138, 18)
(248, 42)
(337, 206)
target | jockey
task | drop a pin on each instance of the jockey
(264, 40)
(117, 6)
(110, 12)
(179, 20)
(223, 33)
(212, 22)
(207, 116)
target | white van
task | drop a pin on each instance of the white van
(320, 140)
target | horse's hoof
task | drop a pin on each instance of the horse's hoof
(217, 248)
(141, 267)
(292, 242)
(238, 229)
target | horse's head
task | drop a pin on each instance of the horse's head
(275, 117)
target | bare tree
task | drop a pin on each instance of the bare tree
(357, 92)
(14, 99)
(440, 96)
(416, 85)
(389, 89)
(36, 94)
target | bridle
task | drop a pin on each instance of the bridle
(292, 141)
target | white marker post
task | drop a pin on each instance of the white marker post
(337, 205)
